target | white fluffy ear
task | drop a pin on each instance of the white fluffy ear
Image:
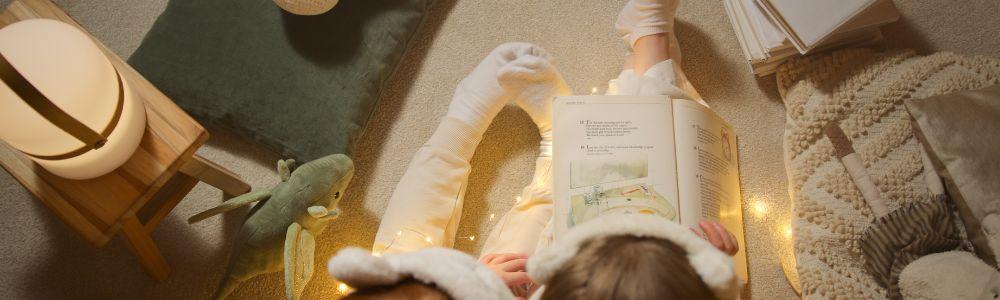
(716, 270)
(456, 273)
(358, 268)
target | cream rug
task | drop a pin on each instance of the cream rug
(864, 92)
(42, 258)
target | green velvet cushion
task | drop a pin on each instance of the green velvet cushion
(304, 86)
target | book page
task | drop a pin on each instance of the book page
(708, 176)
(768, 33)
(812, 20)
(612, 154)
(707, 168)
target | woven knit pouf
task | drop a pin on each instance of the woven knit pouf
(306, 7)
(864, 91)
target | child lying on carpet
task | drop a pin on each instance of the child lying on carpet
(609, 257)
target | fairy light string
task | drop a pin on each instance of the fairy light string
(426, 238)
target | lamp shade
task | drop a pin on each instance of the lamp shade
(62, 102)
(306, 7)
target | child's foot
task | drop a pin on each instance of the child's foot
(533, 82)
(655, 19)
(479, 97)
(640, 18)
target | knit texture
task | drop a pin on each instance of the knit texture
(456, 137)
(863, 90)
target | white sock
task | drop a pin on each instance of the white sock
(533, 82)
(479, 98)
(640, 18)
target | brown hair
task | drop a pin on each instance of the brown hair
(627, 267)
(408, 289)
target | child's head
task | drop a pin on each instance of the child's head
(627, 267)
(628, 256)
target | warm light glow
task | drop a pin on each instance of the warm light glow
(593, 91)
(399, 233)
(787, 257)
(492, 216)
(376, 253)
(517, 199)
(343, 288)
(472, 238)
(428, 239)
(759, 208)
(85, 92)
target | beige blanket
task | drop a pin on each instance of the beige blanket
(864, 90)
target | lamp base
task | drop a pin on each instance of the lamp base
(119, 148)
(306, 7)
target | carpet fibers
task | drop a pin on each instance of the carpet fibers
(42, 258)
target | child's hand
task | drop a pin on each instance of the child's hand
(719, 237)
(510, 267)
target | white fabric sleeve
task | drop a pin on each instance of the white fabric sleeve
(426, 206)
(521, 228)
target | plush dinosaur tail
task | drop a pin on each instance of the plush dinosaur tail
(227, 286)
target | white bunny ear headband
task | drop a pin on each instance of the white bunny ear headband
(456, 273)
(714, 267)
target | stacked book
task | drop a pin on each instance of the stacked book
(771, 31)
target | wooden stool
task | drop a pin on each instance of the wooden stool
(135, 197)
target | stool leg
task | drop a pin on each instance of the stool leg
(143, 247)
(215, 175)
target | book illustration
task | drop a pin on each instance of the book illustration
(726, 147)
(614, 185)
(629, 199)
(589, 172)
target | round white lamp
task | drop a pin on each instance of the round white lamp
(306, 7)
(62, 103)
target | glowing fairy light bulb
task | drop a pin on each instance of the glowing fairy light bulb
(472, 238)
(376, 254)
(343, 289)
(399, 233)
(517, 199)
(788, 232)
(492, 216)
(759, 208)
(593, 90)
(428, 240)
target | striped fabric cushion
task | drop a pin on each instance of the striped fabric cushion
(904, 235)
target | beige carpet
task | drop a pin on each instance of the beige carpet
(42, 258)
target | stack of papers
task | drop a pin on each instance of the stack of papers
(771, 31)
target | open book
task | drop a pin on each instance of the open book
(654, 155)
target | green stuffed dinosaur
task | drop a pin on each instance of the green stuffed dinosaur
(280, 229)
